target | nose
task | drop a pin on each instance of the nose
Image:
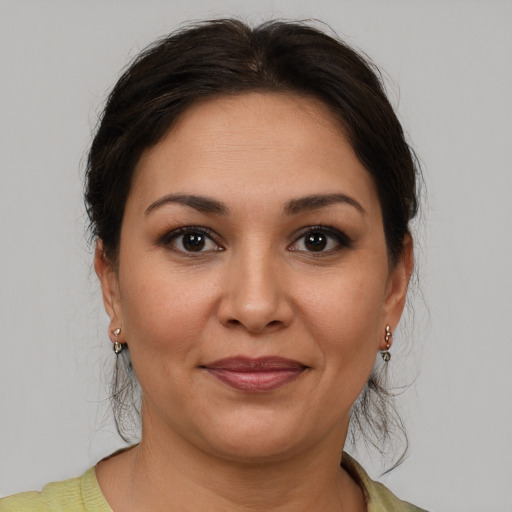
(255, 295)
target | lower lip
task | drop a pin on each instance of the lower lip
(256, 382)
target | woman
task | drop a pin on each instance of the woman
(250, 192)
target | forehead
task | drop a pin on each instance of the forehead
(254, 146)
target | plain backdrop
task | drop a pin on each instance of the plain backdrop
(448, 67)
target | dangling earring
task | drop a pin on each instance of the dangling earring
(387, 338)
(117, 347)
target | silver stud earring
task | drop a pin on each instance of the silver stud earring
(117, 347)
(387, 338)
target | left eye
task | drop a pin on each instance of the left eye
(321, 240)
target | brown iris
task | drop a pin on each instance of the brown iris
(193, 242)
(315, 241)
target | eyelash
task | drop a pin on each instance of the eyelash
(341, 239)
(173, 235)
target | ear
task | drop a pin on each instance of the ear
(398, 283)
(107, 275)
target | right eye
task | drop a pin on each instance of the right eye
(190, 240)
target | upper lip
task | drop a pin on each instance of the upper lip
(260, 364)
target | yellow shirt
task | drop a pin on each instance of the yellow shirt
(83, 494)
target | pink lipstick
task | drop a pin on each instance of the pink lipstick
(255, 375)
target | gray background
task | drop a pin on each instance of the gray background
(449, 68)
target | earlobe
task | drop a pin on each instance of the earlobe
(109, 285)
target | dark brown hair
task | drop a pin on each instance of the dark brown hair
(225, 57)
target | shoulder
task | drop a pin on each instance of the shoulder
(378, 497)
(81, 494)
(26, 501)
(383, 500)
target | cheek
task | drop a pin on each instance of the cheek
(164, 312)
(164, 317)
(345, 317)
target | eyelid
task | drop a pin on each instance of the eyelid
(342, 239)
(169, 236)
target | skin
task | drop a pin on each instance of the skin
(254, 289)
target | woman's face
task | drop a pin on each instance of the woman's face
(253, 284)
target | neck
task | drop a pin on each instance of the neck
(168, 472)
(173, 475)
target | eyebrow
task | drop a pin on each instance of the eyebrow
(316, 201)
(199, 203)
(293, 207)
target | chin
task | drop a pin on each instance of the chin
(259, 451)
(268, 439)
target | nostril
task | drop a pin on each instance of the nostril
(274, 324)
(256, 313)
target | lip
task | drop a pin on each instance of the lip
(255, 375)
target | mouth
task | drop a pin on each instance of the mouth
(255, 375)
